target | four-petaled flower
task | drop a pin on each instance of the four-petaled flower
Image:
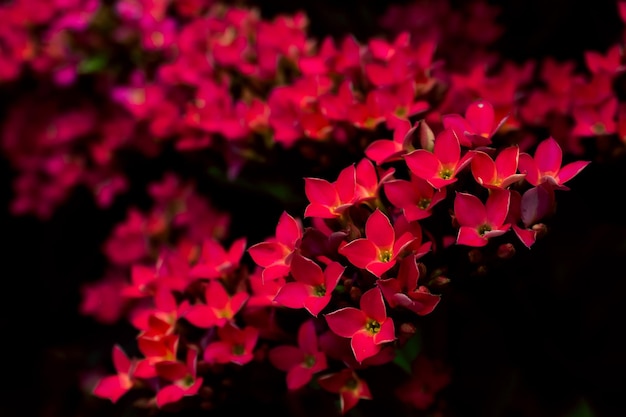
(348, 385)
(312, 288)
(369, 328)
(478, 223)
(498, 173)
(329, 200)
(379, 250)
(441, 166)
(182, 376)
(234, 345)
(114, 386)
(546, 165)
(300, 362)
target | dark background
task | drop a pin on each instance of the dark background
(540, 337)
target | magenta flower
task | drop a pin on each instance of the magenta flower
(478, 222)
(498, 173)
(546, 165)
(369, 328)
(416, 198)
(379, 250)
(312, 288)
(440, 166)
(300, 362)
(348, 385)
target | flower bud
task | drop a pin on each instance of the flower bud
(541, 230)
(506, 251)
(475, 256)
(355, 294)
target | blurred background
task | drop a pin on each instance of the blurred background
(541, 336)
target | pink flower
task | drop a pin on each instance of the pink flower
(404, 290)
(416, 198)
(183, 378)
(478, 222)
(215, 262)
(312, 288)
(300, 362)
(369, 328)
(440, 166)
(234, 345)
(499, 173)
(379, 250)
(478, 126)
(329, 200)
(348, 385)
(546, 165)
(114, 386)
(220, 307)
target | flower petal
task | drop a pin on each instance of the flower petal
(346, 322)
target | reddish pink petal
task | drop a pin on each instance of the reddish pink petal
(298, 376)
(379, 230)
(218, 352)
(169, 394)
(422, 163)
(315, 304)
(497, 206)
(423, 303)
(212, 251)
(378, 268)
(266, 253)
(459, 125)
(360, 252)
(570, 170)
(288, 229)
(346, 184)
(216, 295)
(447, 148)
(306, 270)
(408, 275)
(373, 304)
(121, 362)
(111, 387)
(536, 203)
(347, 400)
(332, 275)
(389, 287)
(548, 156)
(483, 168)
(469, 210)
(307, 337)
(275, 272)
(384, 150)
(387, 332)
(285, 357)
(171, 370)
(401, 193)
(469, 236)
(346, 321)
(238, 300)
(335, 382)
(526, 236)
(527, 166)
(201, 315)
(406, 239)
(320, 191)
(506, 161)
(293, 295)
(363, 345)
(237, 250)
(480, 114)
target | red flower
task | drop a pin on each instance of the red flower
(480, 222)
(312, 288)
(378, 252)
(215, 261)
(404, 290)
(219, 309)
(183, 378)
(440, 166)
(368, 327)
(300, 362)
(235, 345)
(478, 126)
(348, 385)
(416, 198)
(546, 165)
(499, 173)
(274, 254)
(329, 200)
(114, 386)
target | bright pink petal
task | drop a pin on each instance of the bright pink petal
(383, 150)
(293, 295)
(447, 148)
(363, 345)
(422, 303)
(570, 170)
(360, 252)
(346, 184)
(121, 362)
(285, 357)
(288, 229)
(548, 156)
(506, 161)
(389, 287)
(387, 332)
(526, 236)
(266, 253)
(298, 376)
(526, 165)
(497, 206)
(332, 275)
(469, 210)
(320, 191)
(373, 304)
(111, 387)
(346, 322)
(483, 168)
(469, 236)
(401, 193)
(201, 315)
(306, 270)
(378, 268)
(480, 114)
(237, 250)
(307, 337)
(169, 394)
(379, 230)
(422, 163)
(315, 304)
(215, 294)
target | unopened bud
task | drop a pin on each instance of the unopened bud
(355, 294)
(475, 256)
(541, 230)
(408, 328)
(439, 281)
(506, 251)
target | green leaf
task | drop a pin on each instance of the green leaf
(92, 64)
(407, 353)
(582, 409)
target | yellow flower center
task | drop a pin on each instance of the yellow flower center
(372, 326)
